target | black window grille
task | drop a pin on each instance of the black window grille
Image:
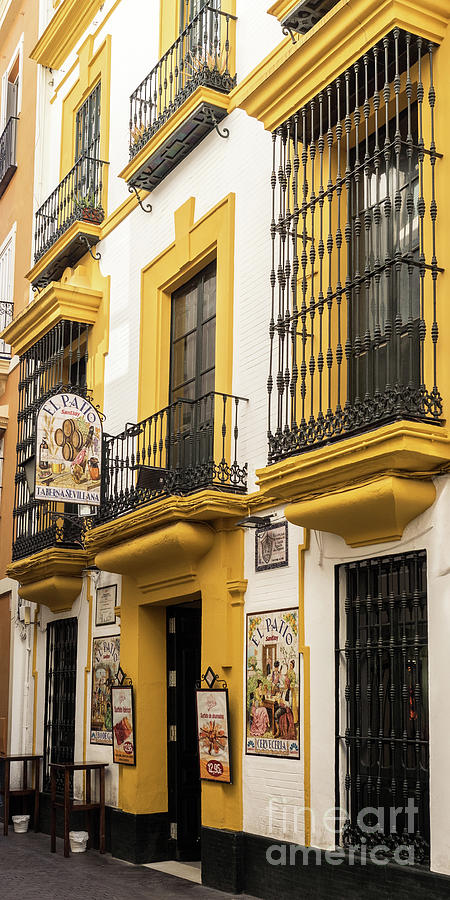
(354, 326)
(60, 689)
(87, 126)
(57, 360)
(382, 705)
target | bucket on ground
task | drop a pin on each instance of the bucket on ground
(20, 823)
(78, 841)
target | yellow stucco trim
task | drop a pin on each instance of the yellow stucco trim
(63, 31)
(51, 578)
(201, 95)
(56, 302)
(196, 244)
(291, 74)
(4, 372)
(87, 670)
(403, 448)
(177, 563)
(203, 506)
(371, 513)
(281, 8)
(58, 248)
(93, 67)
(365, 488)
(170, 19)
(305, 651)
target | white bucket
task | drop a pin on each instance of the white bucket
(20, 824)
(78, 841)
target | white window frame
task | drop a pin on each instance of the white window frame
(18, 52)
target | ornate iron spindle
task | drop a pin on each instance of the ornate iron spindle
(321, 253)
(312, 259)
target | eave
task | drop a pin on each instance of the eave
(65, 28)
(75, 302)
(293, 73)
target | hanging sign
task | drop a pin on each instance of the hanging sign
(273, 684)
(68, 450)
(271, 547)
(105, 665)
(124, 745)
(213, 730)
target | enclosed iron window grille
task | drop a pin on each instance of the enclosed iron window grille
(353, 329)
(60, 689)
(199, 56)
(57, 361)
(382, 750)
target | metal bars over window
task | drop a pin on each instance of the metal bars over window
(60, 687)
(382, 697)
(56, 361)
(354, 325)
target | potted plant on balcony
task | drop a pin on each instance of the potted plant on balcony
(87, 209)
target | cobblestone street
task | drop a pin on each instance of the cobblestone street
(28, 871)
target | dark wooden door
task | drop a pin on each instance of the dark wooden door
(184, 662)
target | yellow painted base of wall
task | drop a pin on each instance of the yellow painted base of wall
(179, 562)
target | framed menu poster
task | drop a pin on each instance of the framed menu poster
(124, 744)
(213, 729)
(106, 602)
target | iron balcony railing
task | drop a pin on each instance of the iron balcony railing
(77, 197)
(6, 315)
(188, 445)
(201, 55)
(354, 273)
(8, 148)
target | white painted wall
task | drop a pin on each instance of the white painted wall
(241, 164)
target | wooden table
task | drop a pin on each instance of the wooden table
(68, 804)
(24, 791)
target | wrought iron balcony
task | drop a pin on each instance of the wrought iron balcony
(6, 315)
(42, 526)
(202, 56)
(189, 445)
(78, 198)
(354, 276)
(8, 153)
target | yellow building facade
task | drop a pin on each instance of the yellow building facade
(241, 264)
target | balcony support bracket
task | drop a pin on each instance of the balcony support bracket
(133, 189)
(84, 240)
(287, 30)
(225, 133)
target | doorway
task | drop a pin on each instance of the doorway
(184, 787)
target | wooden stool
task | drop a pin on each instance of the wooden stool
(24, 791)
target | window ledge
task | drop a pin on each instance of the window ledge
(365, 488)
(70, 300)
(51, 578)
(66, 251)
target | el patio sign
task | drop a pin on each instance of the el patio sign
(68, 450)
(273, 676)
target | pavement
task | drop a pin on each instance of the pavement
(28, 871)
